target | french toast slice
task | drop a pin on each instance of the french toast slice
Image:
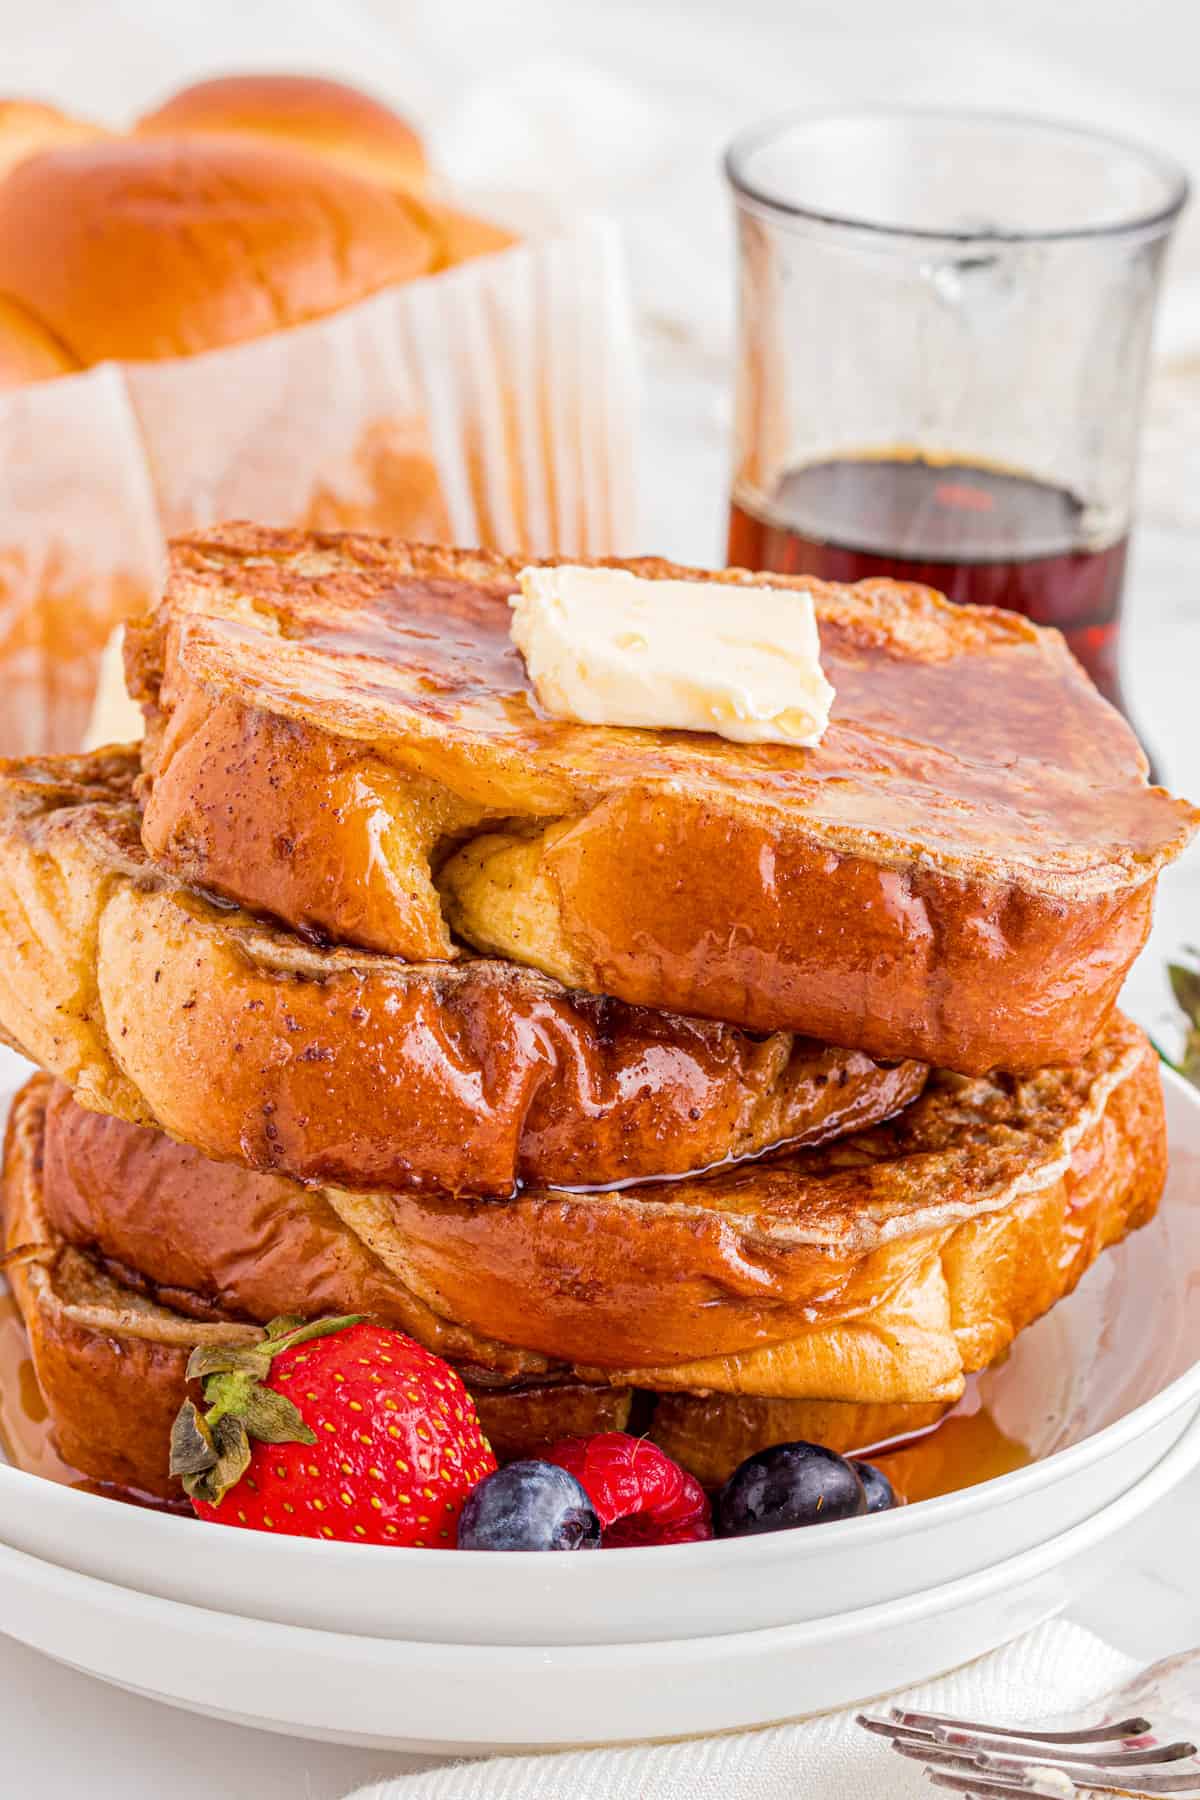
(110, 1341)
(110, 1356)
(341, 734)
(161, 1006)
(883, 1268)
(110, 1362)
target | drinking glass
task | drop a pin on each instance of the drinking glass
(945, 320)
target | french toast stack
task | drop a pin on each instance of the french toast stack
(745, 1092)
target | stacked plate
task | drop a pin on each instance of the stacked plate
(434, 1649)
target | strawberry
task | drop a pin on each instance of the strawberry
(640, 1495)
(332, 1429)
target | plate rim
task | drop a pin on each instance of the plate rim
(1176, 1462)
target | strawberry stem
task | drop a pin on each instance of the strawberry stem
(210, 1450)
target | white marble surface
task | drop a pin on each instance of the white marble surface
(670, 76)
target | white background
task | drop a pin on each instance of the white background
(552, 104)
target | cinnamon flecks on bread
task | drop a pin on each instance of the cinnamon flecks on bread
(163, 1007)
(880, 1269)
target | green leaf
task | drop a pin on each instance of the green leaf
(211, 1450)
(303, 1333)
(281, 1326)
(274, 1419)
(192, 1448)
(228, 1393)
(1185, 985)
(221, 1359)
(233, 1459)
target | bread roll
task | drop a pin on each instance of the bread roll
(27, 350)
(143, 249)
(303, 112)
(27, 126)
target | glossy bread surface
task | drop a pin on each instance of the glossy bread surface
(879, 1269)
(341, 734)
(110, 1356)
(110, 1363)
(346, 1066)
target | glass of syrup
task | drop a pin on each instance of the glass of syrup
(944, 327)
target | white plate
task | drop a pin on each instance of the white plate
(471, 1697)
(1101, 1387)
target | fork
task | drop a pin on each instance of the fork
(1141, 1744)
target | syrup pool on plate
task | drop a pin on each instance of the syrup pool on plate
(26, 1435)
(967, 1447)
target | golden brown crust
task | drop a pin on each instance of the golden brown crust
(347, 1067)
(111, 1362)
(217, 1242)
(711, 1435)
(30, 126)
(518, 1422)
(27, 350)
(325, 118)
(111, 1359)
(1094, 1158)
(882, 1268)
(141, 249)
(962, 871)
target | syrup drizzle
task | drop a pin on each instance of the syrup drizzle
(26, 1434)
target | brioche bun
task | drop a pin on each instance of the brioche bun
(27, 126)
(27, 350)
(326, 118)
(142, 249)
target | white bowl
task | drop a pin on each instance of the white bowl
(447, 1697)
(1105, 1389)
(1101, 1388)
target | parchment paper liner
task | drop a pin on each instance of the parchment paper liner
(494, 404)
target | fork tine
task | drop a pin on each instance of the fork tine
(891, 1728)
(933, 1755)
(938, 1723)
(985, 1787)
(1075, 1759)
(1104, 1781)
(1111, 1781)
(981, 1786)
(1148, 1783)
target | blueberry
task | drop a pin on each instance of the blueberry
(787, 1485)
(529, 1506)
(881, 1495)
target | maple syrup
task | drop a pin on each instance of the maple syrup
(979, 535)
(965, 1448)
(26, 1433)
(26, 1439)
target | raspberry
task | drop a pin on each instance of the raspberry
(640, 1495)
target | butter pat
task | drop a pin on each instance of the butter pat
(604, 647)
